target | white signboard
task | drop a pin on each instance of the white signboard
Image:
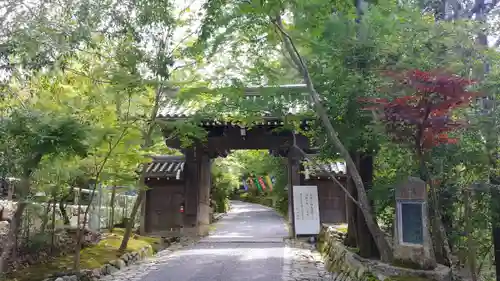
(306, 209)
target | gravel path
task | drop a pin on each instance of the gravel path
(248, 244)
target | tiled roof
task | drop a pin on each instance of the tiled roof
(166, 167)
(267, 102)
(337, 168)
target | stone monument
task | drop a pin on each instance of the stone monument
(412, 239)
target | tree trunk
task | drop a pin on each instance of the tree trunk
(27, 232)
(383, 245)
(10, 240)
(64, 213)
(76, 261)
(112, 210)
(131, 221)
(358, 234)
(53, 227)
(490, 105)
(63, 204)
(437, 239)
(45, 218)
(148, 142)
(366, 240)
(469, 228)
(366, 243)
(352, 230)
(495, 221)
(81, 229)
(446, 202)
(441, 246)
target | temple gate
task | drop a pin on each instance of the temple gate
(185, 181)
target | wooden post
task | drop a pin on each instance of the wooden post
(293, 179)
(191, 188)
(203, 216)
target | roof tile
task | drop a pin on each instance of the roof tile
(283, 100)
(337, 168)
(166, 166)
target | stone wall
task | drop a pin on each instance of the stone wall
(348, 266)
(35, 246)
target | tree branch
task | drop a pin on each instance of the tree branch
(302, 68)
(383, 245)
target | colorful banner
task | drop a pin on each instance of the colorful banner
(269, 183)
(256, 181)
(245, 186)
(261, 182)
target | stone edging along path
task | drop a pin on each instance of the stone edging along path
(124, 261)
(111, 267)
(302, 262)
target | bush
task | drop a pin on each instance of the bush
(249, 197)
(226, 205)
(243, 196)
(38, 242)
(282, 205)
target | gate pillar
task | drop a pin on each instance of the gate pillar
(197, 192)
(293, 168)
(204, 209)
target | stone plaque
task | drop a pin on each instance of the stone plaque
(412, 241)
(412, 223)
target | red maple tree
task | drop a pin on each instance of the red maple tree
(423, 119)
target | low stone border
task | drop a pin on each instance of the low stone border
(302, 262)
(109, 268)
(347, 265)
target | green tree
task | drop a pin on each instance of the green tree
(37, 135)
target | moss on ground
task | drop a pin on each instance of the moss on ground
(147, 239)
(90, 257)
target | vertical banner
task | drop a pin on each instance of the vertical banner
(256, 181)
(269, 183)
(306, 209)
(262, 184)
(245, 186)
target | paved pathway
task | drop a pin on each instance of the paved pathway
(247, 245)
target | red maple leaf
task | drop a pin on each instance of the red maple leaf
(424, 117)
